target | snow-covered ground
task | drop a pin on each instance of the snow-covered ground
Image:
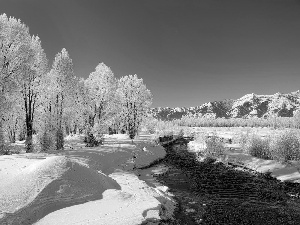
(129, 201)
(133, 204)
(24, 176)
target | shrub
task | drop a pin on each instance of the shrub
(46, 141)
(4, 150)
(286, 146)
(15, 149)
(243, 139)
(259, 147)
(151, 126)
(214, 146)
(131, 134)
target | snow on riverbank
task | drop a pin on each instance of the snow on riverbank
(133, 204)
(24, 176)
(282, 171)
(100, 172)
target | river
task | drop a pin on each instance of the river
(210, 192)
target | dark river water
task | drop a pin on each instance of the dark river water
(209, 192)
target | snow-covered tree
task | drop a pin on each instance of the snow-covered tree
(101, 86)
(15, 43)
(15, 55)
(75, 112)
(29, 84)
(80, 107)
(13, 119)
(62, 83)
(135, 100)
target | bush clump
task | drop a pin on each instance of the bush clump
(46, 141)
(286, 146)
(243, 138)
(283, 147)
(210, 144)
(214, 146)
(259, 147)
(4, 150)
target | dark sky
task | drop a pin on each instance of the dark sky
(187, 51)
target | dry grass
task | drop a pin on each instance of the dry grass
(214, 146)
(259, 147)
(282, 147)
(286, 146)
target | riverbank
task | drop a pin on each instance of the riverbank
(210, 192)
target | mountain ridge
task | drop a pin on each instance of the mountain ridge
(249, 105)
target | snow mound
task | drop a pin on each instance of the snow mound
(133, 204)
(22, 179)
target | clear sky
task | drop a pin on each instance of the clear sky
(187, 51)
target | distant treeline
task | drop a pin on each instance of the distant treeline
(276, 122)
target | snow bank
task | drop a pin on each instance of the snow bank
(133, 204)
(32, 178)
(282, 171)
(23, 177)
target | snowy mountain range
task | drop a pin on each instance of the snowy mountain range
(250, 105)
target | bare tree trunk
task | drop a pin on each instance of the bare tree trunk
(12, 136)
(28, 142)
(59, 132)
(133, 123)
(28, 101)
(2, 143)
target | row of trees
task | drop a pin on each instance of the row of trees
(53, 102)
(275, 122)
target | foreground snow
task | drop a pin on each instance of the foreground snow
(80, 168)
(133, 204)
(24, 176)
